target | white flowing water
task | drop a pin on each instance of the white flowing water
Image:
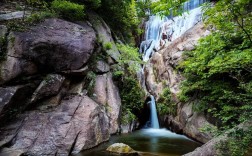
(154, 117)
(162, 31)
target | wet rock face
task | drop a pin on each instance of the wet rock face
(78, 123)
(53, 45)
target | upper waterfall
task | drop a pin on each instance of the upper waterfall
(159, 32)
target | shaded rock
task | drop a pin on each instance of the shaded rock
(48, 87)
(104, 34)
(13, 15)
(10, 152)
(102, 67)
(121, 149)
(77, 88)
(53, 45)
(77, 124)
(79, 72)
(13, 99)
(3, 31)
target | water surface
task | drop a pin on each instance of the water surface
(151, 142)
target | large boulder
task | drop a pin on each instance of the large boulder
(53, 45)
(78, 123)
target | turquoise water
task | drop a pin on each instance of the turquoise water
(150, 142)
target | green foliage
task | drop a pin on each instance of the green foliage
(68, 10)
(127, 117)
(122, 16)
(132, 97)
(165, 105)
(129, 58)
(131, 92)
(107, 46)
(237, 143)
(166, 7)
(218, 71)
(94, 4)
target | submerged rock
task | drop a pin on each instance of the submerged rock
(122, 149)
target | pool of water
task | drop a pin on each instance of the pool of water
(150, 142)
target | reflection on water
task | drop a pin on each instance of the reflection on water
(151, 142)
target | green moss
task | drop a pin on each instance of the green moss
(107, 46)
(68, 10)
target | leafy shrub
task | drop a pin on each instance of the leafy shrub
(108, 46)
(68, 10)
(218, 72)
(165, 105)
(129, 58)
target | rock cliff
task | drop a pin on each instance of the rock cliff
(57, 96)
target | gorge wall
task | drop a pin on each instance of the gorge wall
(57, 92)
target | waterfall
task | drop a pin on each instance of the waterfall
(154, 118)
(159, 32)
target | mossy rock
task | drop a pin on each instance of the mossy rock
(122, 149)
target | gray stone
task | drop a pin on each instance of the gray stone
(13, 15)
(102, 67)
(48, 87)
(10, 152)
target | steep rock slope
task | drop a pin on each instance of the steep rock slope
(53, 87)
